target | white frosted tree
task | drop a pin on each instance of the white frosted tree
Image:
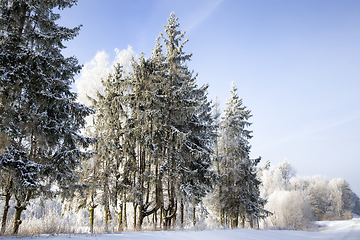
(317, 198)
(101, 86)
(287, 172)
(240, 194)
(330, 200)
(291, 209)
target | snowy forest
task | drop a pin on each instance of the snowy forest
(147, 151)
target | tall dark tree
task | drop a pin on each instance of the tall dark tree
(39, 118)
(188, 124)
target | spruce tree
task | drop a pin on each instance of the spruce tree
(216, 161)
(239, 193)
(188, 124)
(39, 118)
(102, 174)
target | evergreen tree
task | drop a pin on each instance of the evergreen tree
(240, 196)
(217, 159)
(141, 133)
(39, 118)
(102, 175)
(189, 128)
(108, 157)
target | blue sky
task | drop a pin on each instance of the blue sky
(296, 65)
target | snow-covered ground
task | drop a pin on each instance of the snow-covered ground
(349, 229)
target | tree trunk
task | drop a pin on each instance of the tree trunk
(120, 216)
(141, 217)
(135, 206)
(242, 221)
(161, 217)
(235, 220)
(6, 210)
(194, 219)
(144, 213)
(92, 215)
(107, 214)
(19, 208)
(125, 217)
(182, 213)
(7, 206)
(222, 217)
(155, 220)
(17, 220)
(169, 214)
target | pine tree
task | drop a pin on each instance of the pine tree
(39, 118)
(155, 135)
(108, 120)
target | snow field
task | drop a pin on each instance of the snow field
(328, 230)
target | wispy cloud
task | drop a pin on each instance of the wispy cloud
(203, 14)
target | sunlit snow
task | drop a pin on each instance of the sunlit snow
(347, 229)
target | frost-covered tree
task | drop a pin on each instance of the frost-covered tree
(240, 196)
(39, 118)
(102, 174)
(142, 132)
(317, 198)
(107, 124)
(330, 200)
(217, 159)
(100, 86)
(287, 172)
(189, 128)
(291, 209)
(356, 201)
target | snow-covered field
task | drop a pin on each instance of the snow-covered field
(348, 229)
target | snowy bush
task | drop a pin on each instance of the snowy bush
(295, 202)
(291, 209)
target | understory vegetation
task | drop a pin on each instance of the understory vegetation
(295, 203)
(146, 151)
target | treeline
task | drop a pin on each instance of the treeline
(153, 142)
(156, 137)
(296, 202)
